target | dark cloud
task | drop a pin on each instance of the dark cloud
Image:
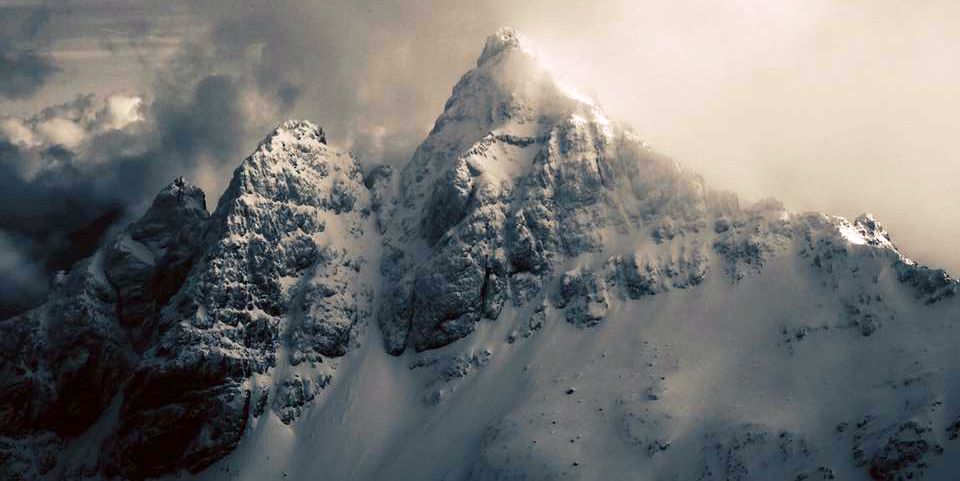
(374, 73)
(73, 170)
(209, 124)
(24, 282)
(23, 69)
(24, 73)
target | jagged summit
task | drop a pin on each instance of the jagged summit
(292, 162)
(300, 129)
(503, 39)
(288, 138)
(866, 229)
(517, 177)
(510, 94)
(509, 89)
(292, 132)
(274, 287)
(179, 192)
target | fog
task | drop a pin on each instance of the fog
(836, 106)
(843, 107)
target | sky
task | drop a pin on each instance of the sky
(836, 106)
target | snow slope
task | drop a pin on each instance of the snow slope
(707, 383)
(748, 343)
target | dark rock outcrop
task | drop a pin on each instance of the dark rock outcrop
(62, 363)
(493, 202)
(268, 273)
(148, 262)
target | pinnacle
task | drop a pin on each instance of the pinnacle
(505, 38)
(299, 129)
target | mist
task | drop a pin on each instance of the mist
(841, 107)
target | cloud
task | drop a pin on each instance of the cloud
(24, 73)
(24, 70)
(68, 136)
(366, 70)
(24, 281)
(73, 170)
(832, 106)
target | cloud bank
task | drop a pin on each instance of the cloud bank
(23, 69)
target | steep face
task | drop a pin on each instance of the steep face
(63, 362)
(525, 205)
(276, 285)
(147, 263)
(521, 180)
(203, 322)
(517, 176)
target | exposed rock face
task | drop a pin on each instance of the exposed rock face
(148, 262)
(516, 176)
(64, 361)
(269, 275)
(292, 394)
(181, 298)
(29, 457)
(641, 275)
(584, 295)
(61, 364)
(905, 453)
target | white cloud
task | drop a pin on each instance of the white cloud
(71, 126)
(16, 131)
(61, 131)
(121, 110)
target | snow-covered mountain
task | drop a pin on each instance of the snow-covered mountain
(536, 295)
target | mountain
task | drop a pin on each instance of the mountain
(537, 294)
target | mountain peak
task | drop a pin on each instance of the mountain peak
(505, 38)
(866, 229)
(181, 192)
(509, 90)
(527, 230)
(299, 130)
(288, 142)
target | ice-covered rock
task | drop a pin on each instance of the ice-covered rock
(62, 363)
(148, 262)
(584, 296)
(641, 275)
(279, 266)
(517, 175)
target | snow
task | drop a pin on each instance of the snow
(138, 250)
(659, 385)
(716, 348)
(503, 39)
(864, 230)
(851, 234)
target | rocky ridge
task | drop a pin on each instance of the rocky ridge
(202, 302)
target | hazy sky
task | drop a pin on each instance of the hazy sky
(838, 106)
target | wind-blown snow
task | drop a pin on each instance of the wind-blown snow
(801, 354)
